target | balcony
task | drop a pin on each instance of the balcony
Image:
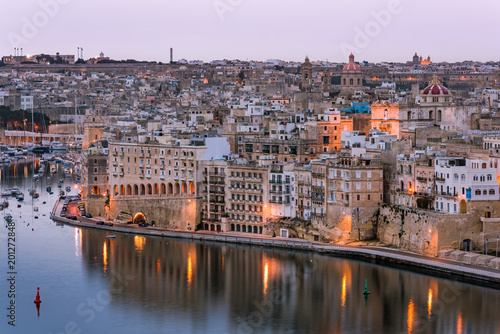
(122, 153)
(115, 163)
(141, 165)
(148, 155)
(141, 155)
(318, 189)
(141, 176)
(276, 201)
(162, 177)
(275, 191)
(318, 175)
(276, 181)
(162, 166)
(317, 215)
(439, 179)
(162, 156)
(115, 153)
(121, 173)
(448, 195)
(421, 179)
(115, 173)
(148, 176)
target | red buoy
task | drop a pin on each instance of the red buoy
(37, 299)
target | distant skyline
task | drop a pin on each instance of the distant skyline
(388, 30)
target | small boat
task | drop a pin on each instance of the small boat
(19, 205)
(68, 189)
(59, 185)
(49, 189)
(8, 217)
(36, 195)
(35, 209)
(59, 224)
(61, 193)
(5, 204)
(20, 197)
(110, 236)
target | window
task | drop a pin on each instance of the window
(369, 197)
(358, 185)
(489, 177)
(369, 174)
(492, 191)
(358, 197)
(462, 178)
(369, 185)
(358, 174)
(477, 192)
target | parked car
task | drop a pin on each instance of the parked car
(100, 223)
(63, 214)
(88, 215)
(108, 224)
(72, 217)
(142, 225)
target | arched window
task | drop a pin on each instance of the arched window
(439, 116)
(482, 178)
(386, 114)
(431, 115)
(359, 82)
(478, 192)
(115, 190)
(475, 178)
(492, 191)
(489, 177)
(351, 82)
(483, 165)
(455, 177)
(485, 192)
(345, 82)
(409, 115)
(462, 178)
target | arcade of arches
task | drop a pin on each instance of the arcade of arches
(169, 189)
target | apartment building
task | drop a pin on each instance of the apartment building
(459, 181)
(355, 188)
(247, 199)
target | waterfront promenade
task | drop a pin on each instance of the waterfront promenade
(388, 256)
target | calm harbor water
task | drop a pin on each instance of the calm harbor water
(136, 284)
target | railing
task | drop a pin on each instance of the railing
(439, 179)
(318, 175)
(275, 181)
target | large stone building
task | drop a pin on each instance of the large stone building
(352, 78)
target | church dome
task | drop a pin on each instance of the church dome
(436, 88)
(351, 66)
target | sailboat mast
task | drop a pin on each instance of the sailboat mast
(32, 125)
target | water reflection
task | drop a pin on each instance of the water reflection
(139, 242)
(268, 290)
(429, 303)
(78, 241)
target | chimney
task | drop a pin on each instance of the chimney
(171, 55)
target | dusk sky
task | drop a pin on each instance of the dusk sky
(385, 30)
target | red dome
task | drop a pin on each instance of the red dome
(351, 67)
(436, 90)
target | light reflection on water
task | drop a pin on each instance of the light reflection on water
(138, 284)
